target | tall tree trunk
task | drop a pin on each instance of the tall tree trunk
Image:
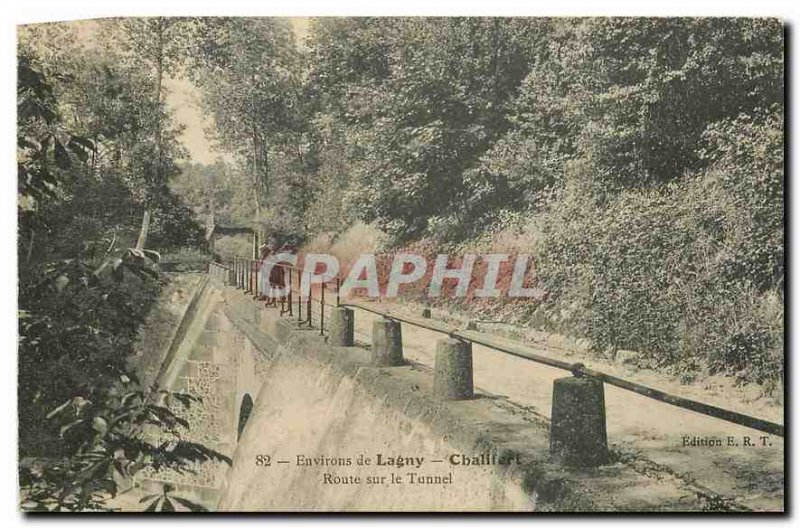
(256, 176)
(256, 193)
(148, 211)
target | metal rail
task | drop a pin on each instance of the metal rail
(521, 351)
(246, 275)
(580, 370)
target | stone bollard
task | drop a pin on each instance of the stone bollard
(578, 422)
(387, 343)
(452, 378)
(340, 327)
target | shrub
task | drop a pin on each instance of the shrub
(689, 273)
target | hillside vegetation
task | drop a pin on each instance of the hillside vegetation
(96, 147)
(639, 160)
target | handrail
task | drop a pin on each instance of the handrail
(245, 274)
(525, 352)
(580, 370)
(333, 278)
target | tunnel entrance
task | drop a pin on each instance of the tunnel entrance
(244, 414)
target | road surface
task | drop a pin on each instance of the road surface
(648, 430)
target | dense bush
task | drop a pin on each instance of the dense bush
(645, 153)
(176, 224)
(689, 273)
(84, 160)
(76, 337)
(424, 98)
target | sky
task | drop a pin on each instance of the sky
(184, 100)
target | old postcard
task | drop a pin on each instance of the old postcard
(376, 264)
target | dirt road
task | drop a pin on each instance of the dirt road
(649, 431)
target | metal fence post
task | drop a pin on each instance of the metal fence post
(299, 300)
(308, 307)
(289, 300)
(322, 310)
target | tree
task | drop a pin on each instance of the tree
(161, 43)
(83, 293)
(425, 97)
(610, 141)
(249, 73)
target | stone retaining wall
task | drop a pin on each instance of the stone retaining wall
(315, 400)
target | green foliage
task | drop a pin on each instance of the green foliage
(45, 148)
(425, 97)
(447, 122)
(664, 80)
(328, 211)
(166, 502)
(647, 151)
(691, 274)
(214, 189)
(85, 153)
(249, 73)
(184, 254)
(176, 224)
(746, 162)
(109, 433)
(77, 329)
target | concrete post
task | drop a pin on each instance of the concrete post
(340, 326)
(387, 343)
(452, 379)
(578, 422)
